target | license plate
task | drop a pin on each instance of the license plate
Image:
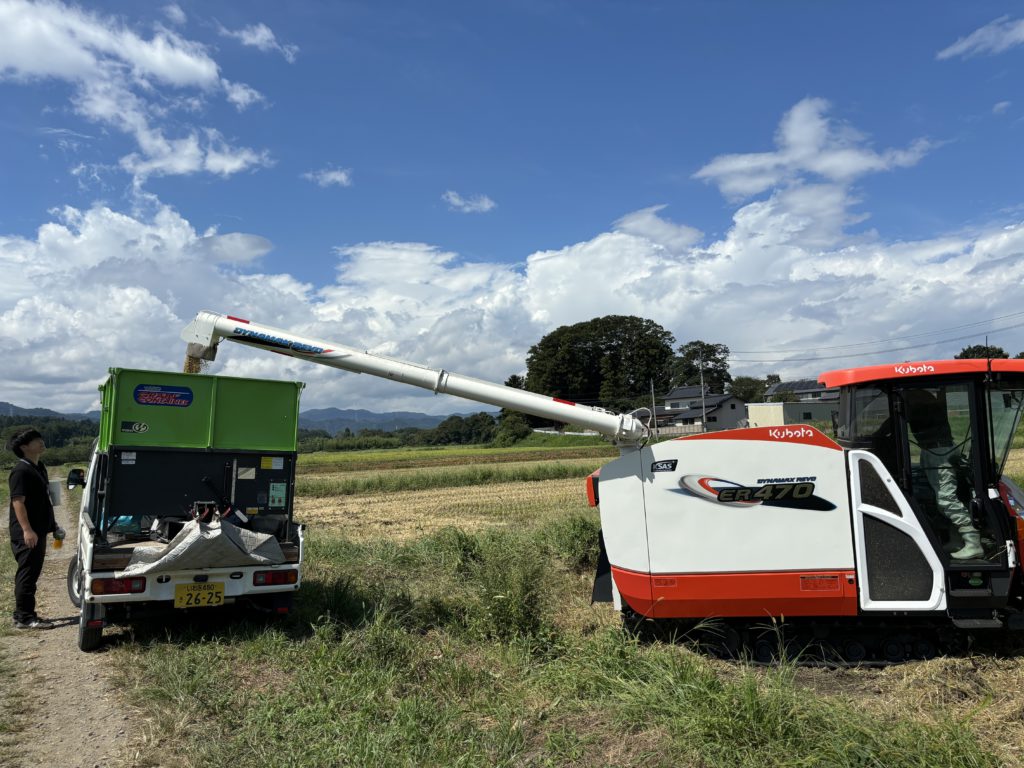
(206, 595)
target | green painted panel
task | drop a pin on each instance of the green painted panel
(183, 410)
(255, 414)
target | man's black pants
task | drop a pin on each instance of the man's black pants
(30, 565)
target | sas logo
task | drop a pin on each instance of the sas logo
(135, 427)
(668, 465)
(798, 494)
(156, 394)
(910, 369)
(785, 433)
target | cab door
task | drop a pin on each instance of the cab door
(897, 565)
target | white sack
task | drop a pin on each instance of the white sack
(207, 545)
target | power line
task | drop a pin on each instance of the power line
(876, 352)
(893, 338)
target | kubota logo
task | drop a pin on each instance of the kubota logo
(785, 433)
(907, 369)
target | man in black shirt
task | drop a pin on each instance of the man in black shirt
(31, 518)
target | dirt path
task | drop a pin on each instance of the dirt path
(72, 715)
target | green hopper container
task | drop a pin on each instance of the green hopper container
(184, 410)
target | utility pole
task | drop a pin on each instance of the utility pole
(654, 410)
(703, 409)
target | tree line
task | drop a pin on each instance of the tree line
(615, 361)
(67, 440)
(479, 429)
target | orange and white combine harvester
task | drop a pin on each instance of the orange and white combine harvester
(898, 538)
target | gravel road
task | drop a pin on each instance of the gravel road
(74, 717)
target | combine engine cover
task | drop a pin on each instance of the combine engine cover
(743, 523)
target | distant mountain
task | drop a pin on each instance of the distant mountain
(332, 420)
(9, 409)
(336, 420)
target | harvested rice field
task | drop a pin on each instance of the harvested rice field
(405, 515)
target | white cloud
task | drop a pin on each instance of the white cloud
(123, 80)
(676, 238)
(326, 177)
(995, 37)
(261, 37)
(1000, 108)
(97, 288)
(241, 95)
(224, 159)
(64, 132)
(174, 13)
(477, 204)
(808, 143)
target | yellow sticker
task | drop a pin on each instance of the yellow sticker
(250, 511)
(266, 462)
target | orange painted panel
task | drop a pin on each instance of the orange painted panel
(758, 595)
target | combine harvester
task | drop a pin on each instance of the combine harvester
(899, 539)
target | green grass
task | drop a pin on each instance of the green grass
(319, 485)
(455, 650)
(547, 440)
(342, 461)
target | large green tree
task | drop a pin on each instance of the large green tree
(608, 361)
(981, 351)
(695, 355)
(748, 389)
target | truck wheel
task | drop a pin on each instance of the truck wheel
(74, 582)
(89, 638)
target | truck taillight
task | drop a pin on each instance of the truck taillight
(118, 586)
(268, 578)
(592, 496)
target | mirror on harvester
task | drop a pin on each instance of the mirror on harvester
(76, 477)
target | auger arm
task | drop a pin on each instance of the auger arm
(205, 332)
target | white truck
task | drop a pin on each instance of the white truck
(187, 502)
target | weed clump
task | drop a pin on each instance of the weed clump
(573, 539)
(507, 589)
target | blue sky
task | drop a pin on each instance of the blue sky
(447, 182)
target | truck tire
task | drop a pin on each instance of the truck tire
(74, 582)
(89, 638)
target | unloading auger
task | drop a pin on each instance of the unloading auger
(208, 329)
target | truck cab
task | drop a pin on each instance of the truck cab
(187, 502)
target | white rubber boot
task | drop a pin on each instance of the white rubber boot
(972, 546)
